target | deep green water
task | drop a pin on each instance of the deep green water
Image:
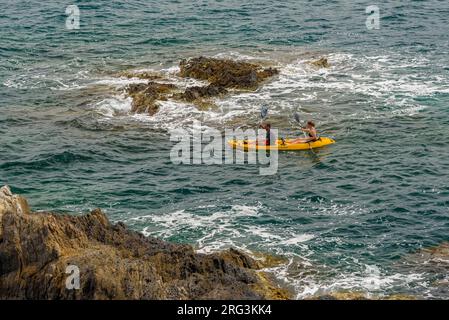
(346, 216)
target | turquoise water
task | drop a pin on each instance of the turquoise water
(346, 216)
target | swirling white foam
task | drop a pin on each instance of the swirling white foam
(222, 229)
(374, 80)
(217, 229)
(370, 282)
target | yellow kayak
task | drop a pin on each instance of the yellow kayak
(281, 145)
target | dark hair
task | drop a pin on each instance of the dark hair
(311, 123)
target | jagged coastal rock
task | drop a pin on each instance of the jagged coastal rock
(221, 74)
(39, 250)
(145, 96)
(226, 73)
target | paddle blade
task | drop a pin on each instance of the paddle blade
(263, 112)
(297, 118)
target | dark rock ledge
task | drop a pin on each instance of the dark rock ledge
(114, 262)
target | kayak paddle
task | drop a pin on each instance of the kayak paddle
(298, 119)
(264, 112)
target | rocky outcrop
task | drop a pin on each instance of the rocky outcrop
(145, 96)
(11, 203)
(222, 74)
(226, 73)
(320, 63)
(41, 252)
(194, 93)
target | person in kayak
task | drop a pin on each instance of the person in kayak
(311, 132)
(268, 138)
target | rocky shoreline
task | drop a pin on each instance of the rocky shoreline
(40, 252)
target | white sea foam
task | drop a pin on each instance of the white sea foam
(217, 229)
(295, 240)
(330, 208)
(377, 79)
(36, 81)
(263, 233)
(50, 78)
(173, 114)
(119, 82)
(222, 229)
(373, 282)
(171, 70)
(312, 281)
(114, 106)
(234, 55)
(362, 75)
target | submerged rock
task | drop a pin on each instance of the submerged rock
(226, 73)
(320, 63)
(432, 260)
(39, 251)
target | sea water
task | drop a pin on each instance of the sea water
(346, 217)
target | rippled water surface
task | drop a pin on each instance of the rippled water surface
(346, 216)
